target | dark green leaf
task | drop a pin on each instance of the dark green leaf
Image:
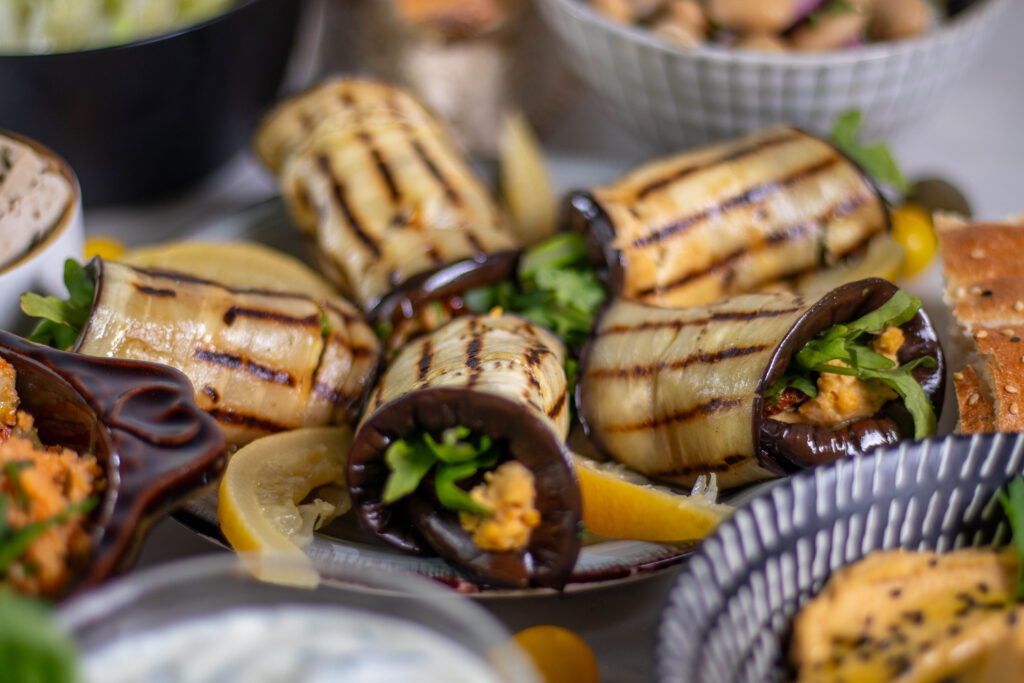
(409, 463)
(33, 648)
(452, 448)
(450, 495)
(900, 308)
(911, 392)
(875, 159)
(799, 382)
(1013, 504)
(62, 320)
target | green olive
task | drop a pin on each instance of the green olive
(936, 194)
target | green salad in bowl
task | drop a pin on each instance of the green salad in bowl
(36, 26)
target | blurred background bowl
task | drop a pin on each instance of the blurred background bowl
(145, 119)
(42, 268)
(673, 97)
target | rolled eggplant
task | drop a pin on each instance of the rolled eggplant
(689, 229)
(755, 386)
(375, 181)
(496, 382)
(260, 362)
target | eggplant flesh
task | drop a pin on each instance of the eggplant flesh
(501, 377)
(676, 393)
(259, 362)
(693, 228)
(377, 184)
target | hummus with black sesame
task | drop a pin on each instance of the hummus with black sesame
(915, 616)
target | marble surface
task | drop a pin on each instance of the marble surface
(973, 138)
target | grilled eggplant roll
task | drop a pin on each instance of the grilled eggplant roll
(486, 389)
(687, 230)
(375, 181)
(260, 362)
(735, 387)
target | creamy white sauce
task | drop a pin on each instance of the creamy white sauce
(287, 644)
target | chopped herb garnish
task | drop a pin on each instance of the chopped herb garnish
(456, 456)
(33, 648)
(875, 159)
(848, 343)
(1013, 504)
(14, 542)
(556, 287)
(11, 473)
(62, 320)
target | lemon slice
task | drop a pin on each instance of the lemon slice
(622, 504)
(242, 265)
(260, 500)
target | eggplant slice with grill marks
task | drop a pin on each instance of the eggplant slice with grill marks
(724, 220)
(498, 377)
(390, 205)
(260, 362)
(676, 393)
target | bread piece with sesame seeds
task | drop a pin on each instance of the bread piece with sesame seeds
(984, 275)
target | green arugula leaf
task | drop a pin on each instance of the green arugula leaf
(566, 250)
(1013, 505)
(14, 544)
(452, 448)
(409, 464)
(875, 159)
(798, 382)
(900, 308)
(62, 320)
(450, 495)
(33, 648)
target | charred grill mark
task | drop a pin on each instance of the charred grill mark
(556, 409)
(817, 224)
(154, 291)
(382, 166)
(725, 316)
(655, 421)
(362, 352)
(697, 358)
(347, 316)
(860, 246)
(473, 358)
(236, 362)
(211, 393)
(336, 395)
(754, 195)
(535, 354)
(229, 416)
(260, 314)
(734, 155)
(338, 190)
(449, 191)
(426, 358)
(474, 242)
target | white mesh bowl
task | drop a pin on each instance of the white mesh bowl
(675, 97)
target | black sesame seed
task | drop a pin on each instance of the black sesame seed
(895, 593)
(1015, 339)
(987, 292)
(915, 616)
(934, 562)
(982, 587)
(953, 630)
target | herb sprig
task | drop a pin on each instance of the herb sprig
(1013, 505)
(14, 542)
(33, 647)
(555, 287)
(848, 343)
(457, 456)
(62, 320)
(876, 159)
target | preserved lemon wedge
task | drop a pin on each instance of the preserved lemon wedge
(622, 504)
(261, 509)
(241, 265)
(525, 182)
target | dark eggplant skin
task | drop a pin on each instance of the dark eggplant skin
(444, 283)
(419, 524)
(782, 447)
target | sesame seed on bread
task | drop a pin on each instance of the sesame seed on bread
(976, 413)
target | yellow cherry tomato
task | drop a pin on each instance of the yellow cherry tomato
(107, 248)
(912, 228)
(560, 655)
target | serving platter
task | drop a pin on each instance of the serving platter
(602, 562)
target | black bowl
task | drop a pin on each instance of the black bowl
(732, 608)
(146, 119)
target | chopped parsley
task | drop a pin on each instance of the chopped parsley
(848, 343)
(456, 456)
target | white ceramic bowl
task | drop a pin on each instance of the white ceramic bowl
(42, 268)
(675, 97)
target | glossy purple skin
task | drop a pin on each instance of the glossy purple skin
(142, 424)
(782, 447)
(419, 524)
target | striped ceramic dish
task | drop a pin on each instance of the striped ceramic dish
(731, 610)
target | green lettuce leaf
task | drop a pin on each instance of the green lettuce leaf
(875, 159)
(62, 320)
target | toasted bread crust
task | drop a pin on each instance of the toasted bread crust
(985, 288)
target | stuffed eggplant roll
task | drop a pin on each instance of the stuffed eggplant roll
(689, 229)
(260, 362)
(462, 452)
(378, 185)
(754, 386)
